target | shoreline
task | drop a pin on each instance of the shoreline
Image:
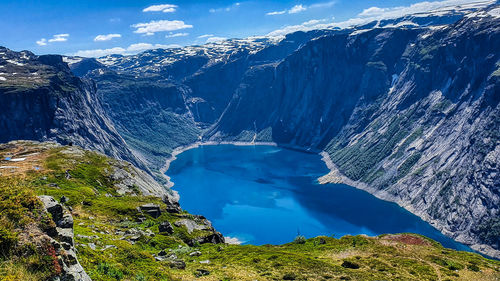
(181, 149)
(336, 177)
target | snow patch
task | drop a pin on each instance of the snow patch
(15, 62)
(395, 78)
(494, 13)
(71, 60)
(3, 78)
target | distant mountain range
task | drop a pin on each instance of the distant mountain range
(407, 108)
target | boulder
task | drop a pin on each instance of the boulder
(201, 272)
(53, 207)
(195, 254)
(165, 227)
(214, 238)
(62, 241)
(151, 209)
(66, 221)
(179, 264)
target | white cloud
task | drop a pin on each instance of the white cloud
(371, 11)
(166, 8)
(323, 5)
(215, 39)
(152, 27)
(305, 26)
(106, 37)
(301, 8)
(376, 13)
(226, 9)
(41, 42)
(421, 7)
(130, 50)
(55, 38)
(297, 9)
(180, 34)
(100, 52)
(206, 36)
(276, 13)
(59, 38)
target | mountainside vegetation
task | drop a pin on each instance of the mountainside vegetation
(122, 234)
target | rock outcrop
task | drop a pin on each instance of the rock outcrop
(62, 241)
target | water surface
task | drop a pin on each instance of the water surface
(268, 195)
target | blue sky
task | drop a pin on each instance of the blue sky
(99, 27)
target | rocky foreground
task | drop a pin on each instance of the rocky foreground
(71, 214)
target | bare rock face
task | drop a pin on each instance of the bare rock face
(43, 101)
(410, 115)
(62, 241)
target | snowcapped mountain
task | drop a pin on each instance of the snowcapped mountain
(407, 105)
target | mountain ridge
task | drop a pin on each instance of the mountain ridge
(388, 90)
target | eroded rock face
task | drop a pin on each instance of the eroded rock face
(410, 115)
(62, 241)
(43, 101)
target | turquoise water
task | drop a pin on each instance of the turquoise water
(268, 195)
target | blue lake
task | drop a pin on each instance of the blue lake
(267, 195)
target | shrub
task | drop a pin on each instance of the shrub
(300, 239)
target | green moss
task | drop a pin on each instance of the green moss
(406, 166)
(411, 138)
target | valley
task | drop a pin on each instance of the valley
(120, 164)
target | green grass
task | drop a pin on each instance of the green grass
(101, 215)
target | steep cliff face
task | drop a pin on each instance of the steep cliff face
(151, 113)
(42, 100)
(311, 94)
(411, 115)
(432, 144)
(162, 99)
(407, 109)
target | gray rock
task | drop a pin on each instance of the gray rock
(195, 254)
(151, 209)
(201, 272)
(66, 221)
(71, 270)
(53, 207)
(64, 200)
(178, 264)
(165, 227)
(192, 225)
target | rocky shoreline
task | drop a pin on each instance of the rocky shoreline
(336, 177)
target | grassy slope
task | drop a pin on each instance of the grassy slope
(101, 215)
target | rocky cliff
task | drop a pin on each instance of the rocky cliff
(406, 108)
(411, 115)
(42, 100)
